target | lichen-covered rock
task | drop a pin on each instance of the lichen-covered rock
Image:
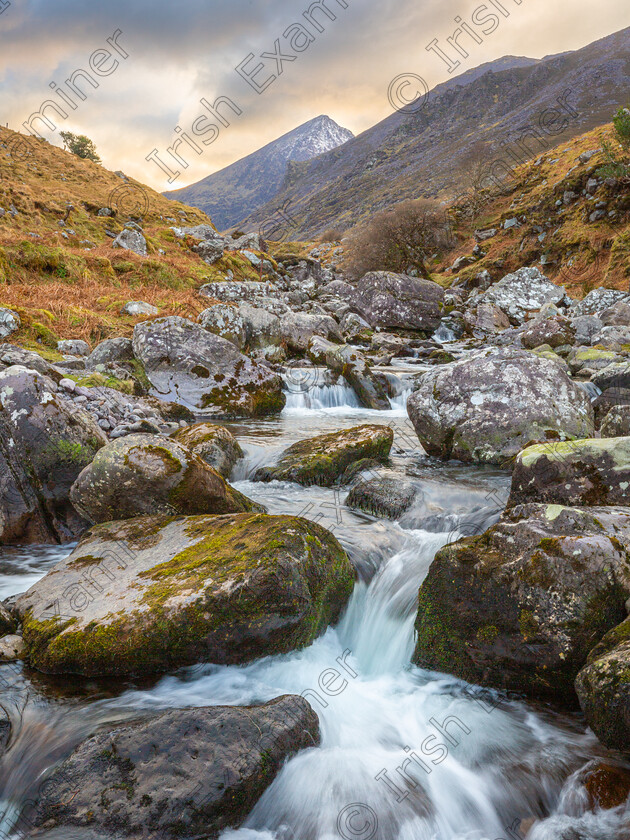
(388, 497)
(73, 347)
(521, 606)
(323, 459)
(487, 407)
(578, 472)
(486, 317)
(348, 362)
(9, 322)
(591, 358)
(154, 593)
(188, 364)
(597, 301)
(111, 350)
(226, 321)
(616, 423)
(11, 355)
(214, 444)
(183, 773)
(131, 240)
(138, 475)
(613, 376)
(525, 291)
(237, 290)
(138, 307)
(552, 331)
(603, 688)
(397, 301)
(44, 445)
(298, 328)
(262, 328)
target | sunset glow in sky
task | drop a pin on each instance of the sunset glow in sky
(153, 84)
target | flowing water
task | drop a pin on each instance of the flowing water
(405, 754)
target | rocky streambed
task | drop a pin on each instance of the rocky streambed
(385, 598)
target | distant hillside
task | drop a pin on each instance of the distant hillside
(241, 188)
(484, 114)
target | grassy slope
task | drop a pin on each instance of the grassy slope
(584, 254)
(74, 288)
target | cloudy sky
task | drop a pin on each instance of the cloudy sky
(173, 54)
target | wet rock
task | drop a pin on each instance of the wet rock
(184, 773)
(139, 307)
(521, 606)
(111, 350)
(578, 472)
(552, 331)
(11, 648)
(74, 347)
(140, 474)
(131, 240)
(603, 688)
(7, 622)
(387, 497)
(44, 445)
(607, 785)
(188, 364)
(525, 291)
(214, 444)
(323, 459)
(9, 322)
(155, 593)
(617, 422)
(487, 407)
(397, 301)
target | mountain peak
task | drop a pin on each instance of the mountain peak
(234, 192)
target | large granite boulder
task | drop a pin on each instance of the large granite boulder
(524, 292)
(182, 773)
(154, 593)
(397, 301)
(323, 459)
(214, 444)
(489, 406)
(140, 475)
(298, 328)
(521, 606)
(552, 331)
(44, 445)
(186, 363)
(577, 472)
(603, 688)
(225, 320)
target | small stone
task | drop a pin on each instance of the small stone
(11, 648)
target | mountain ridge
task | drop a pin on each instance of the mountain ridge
(240, 188)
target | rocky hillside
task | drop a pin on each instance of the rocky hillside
(240, 189)
(431, 150)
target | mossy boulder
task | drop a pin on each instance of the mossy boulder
(487, 407)
(521, 606)
(44, 445)
(595, 471)
(185, 363)
(603, 687)
(214, 444)
(593, 358)
(154, 593)
(182, 773)
(323, 459)
(149, 474)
